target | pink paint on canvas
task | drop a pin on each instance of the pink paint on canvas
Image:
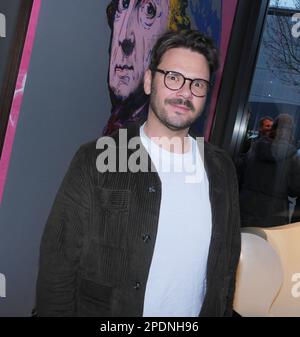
(134, 34)
(18, 95)
(228, 13)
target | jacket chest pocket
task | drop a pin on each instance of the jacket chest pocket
(110, 220)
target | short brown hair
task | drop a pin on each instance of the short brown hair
(189, 39)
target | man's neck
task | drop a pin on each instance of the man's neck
(171, 140)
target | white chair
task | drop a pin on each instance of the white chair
(268, 276)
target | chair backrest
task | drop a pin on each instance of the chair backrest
(268, 277)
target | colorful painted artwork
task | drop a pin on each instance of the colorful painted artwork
(135, 26)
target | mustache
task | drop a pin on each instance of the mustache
(180, 101)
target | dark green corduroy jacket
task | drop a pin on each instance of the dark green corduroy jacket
(99, 239)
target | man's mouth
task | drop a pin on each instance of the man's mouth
(185, 105)
(123, 68)
(182, 107)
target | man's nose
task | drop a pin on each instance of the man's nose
(185, 91)
(126, 35)
(127, 46)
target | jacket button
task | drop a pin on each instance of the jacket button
(146, 238)
(152, 189)
(137, 285)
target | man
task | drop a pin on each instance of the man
(148, 242)
(265, 126)
(136, 25)
(271, 175)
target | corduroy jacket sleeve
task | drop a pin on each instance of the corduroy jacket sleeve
(62, 241)
(235, 248)
(293, 176)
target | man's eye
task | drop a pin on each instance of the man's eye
(150, 10)
(126, 4)
(199, 84)
(173, 78)
(123, 5)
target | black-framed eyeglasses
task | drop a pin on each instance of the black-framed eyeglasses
(174, 81)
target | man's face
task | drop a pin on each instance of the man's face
(137, 25)
(177, 109)
(266, 127)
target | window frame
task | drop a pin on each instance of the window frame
(231, 107)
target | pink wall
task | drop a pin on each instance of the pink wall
(18, 96)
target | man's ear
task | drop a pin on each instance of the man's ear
(147, 81)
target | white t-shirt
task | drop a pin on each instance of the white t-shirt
(177, 278)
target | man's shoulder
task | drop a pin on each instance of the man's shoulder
(89, 151)
(85, 156)
(86, 149)
(218, 158)
(213, 150)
